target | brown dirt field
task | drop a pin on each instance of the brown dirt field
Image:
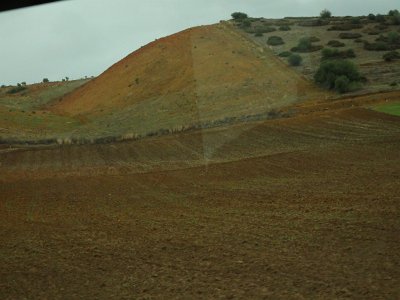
(299, 208)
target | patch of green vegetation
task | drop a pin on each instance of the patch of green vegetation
(295, 60)
(340, 75)
(285, 54)
(389, 108)
(329, 53)
(306, 45)
(275, 41)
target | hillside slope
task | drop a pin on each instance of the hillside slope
(196, 76)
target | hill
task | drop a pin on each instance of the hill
(201, 77)
(196, 77)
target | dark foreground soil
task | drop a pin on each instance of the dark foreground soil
(293, 209)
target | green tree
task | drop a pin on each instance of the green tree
(325, 14)
(239, 16)
(45, 80)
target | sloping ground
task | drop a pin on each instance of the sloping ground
(302, 133)
(380, 74)
(22, 115)
(298, 208)
(198, 76)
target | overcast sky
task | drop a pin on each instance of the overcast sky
(75, 38)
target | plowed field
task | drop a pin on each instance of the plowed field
(306, 207)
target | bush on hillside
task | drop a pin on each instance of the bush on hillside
(325, 14)
(342, 84)
(380, 18)
(246, 23)
(378, 46)
(332, 75)
(306, 45)
(239, 16)
(393, 37)
(344, 27)
(335, 43)
(258, 34)
(392, 55)
(260, 29)
(329, 53)
(285, 54)
(16, 89)
(45, 80)
(275, 40)
(393, 12)
(371, 17)
(295, 60)
(284, 28)
(381, 27)
(315, 22)
(349, 35)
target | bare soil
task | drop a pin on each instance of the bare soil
(298, 208)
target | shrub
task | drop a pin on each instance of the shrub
(393, 37)
(239, 16)
(260, 29)
(349, 35)
(317, 22)
(314, 39)
(393, 12)
(295, 59)
(246, 23)
(335, 43)
(275, 41)
(45, 80)
(332, 70)
(305, 45)
(345, 27)
(378, 46)
(325, 14)
(16, 89)
(395, 19)
(328, 53)
(285, 54)
(392, 55)
(381, 27)
(258, 34)
(371, 17)
(265, 29)
(342, 84)
(380, 18)
(284, 28)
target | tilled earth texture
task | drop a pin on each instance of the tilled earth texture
(299, 208)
